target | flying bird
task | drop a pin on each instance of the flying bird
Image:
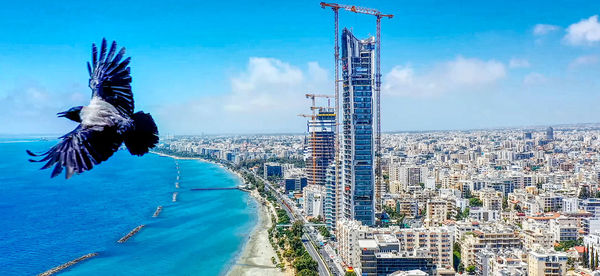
(106, 122)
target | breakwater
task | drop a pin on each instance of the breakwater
(67, 264)
(130, 234)
(157, 212)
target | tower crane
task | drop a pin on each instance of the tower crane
(313, 96)
(378, 15)
(313, 138)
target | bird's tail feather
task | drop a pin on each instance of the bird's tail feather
(143, 135)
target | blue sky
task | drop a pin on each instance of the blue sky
(241, 67)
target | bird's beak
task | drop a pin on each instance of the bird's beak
(62, 114)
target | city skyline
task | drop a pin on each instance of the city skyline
(411, 139)
(193, 61)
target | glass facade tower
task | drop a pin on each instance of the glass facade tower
(357, 147)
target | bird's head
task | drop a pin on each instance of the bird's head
(72, 114)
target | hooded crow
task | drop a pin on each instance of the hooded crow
(106, 122)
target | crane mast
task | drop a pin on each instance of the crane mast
(313, 138)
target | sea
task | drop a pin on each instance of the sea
(45, 222)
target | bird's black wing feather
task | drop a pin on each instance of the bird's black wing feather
(110, 77)
(80, 150)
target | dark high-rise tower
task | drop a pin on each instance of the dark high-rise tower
(550, 134)
(357, 147)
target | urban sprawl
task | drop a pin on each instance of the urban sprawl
(482, 202)
(486, 202)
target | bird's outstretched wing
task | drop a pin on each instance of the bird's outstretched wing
(110, 78)
(80, 150)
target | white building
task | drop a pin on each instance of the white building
(547, 263)
(436, 241)
(314, 197)
(564, 229)
(570, 205)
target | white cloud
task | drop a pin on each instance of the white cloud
(266, 96)
(317, 73)
(462, 74)
(583, 61)
(584, 32)
(31, 108)
(264, 81)
(543, 29)
(534, 78)
(518, 63)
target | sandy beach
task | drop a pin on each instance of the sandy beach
(200, 159)
(255, 259)
(256, 256)
(177, 157)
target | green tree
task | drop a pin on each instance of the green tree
(307, 272)
(518, 208)
(324, 232)
(282, 217)
(305, 262)
(468, 194)
(462, 214)
(470, 269)
(318, 219)
(297, 228)
(585, 257)
(584, 193)
(565, 245)
(475, 202)
(350, 273)
(456, 258)
(297, 246)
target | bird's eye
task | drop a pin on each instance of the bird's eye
(93, 83)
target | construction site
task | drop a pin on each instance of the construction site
(347, 165)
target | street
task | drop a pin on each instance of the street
(307, 239)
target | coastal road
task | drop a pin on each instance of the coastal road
(306, 239)
(314, 253)
(333, 260)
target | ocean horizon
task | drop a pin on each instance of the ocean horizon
(48, 222)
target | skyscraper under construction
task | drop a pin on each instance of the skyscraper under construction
(320, 155)
(321, 145)
(357, 147)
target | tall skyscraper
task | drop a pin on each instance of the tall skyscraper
(357, 147)
(321, 145)
(550, 134)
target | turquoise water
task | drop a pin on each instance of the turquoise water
(47, 222)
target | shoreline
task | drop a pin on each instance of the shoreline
(241, 179)
(179, 157)
(254, 258)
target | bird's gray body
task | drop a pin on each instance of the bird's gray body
(101, 113)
